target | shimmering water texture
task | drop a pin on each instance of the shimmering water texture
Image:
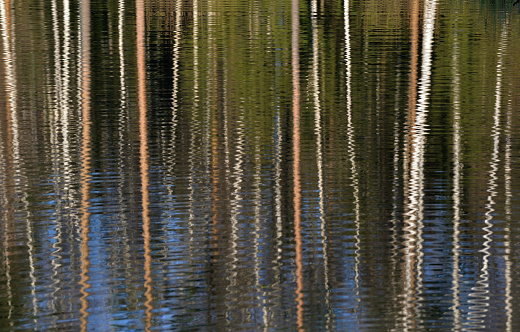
(247, 165)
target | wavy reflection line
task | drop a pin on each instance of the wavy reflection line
(194, 128)
(55, 146)
(351, 145)
(143, 157)
(85, 176)
(481, 293)
(121, 50)
(15, 169)
(123, 129)
(12, 134)
(257, 185)
(507, 237)
(396, 197)
(408, 300)
(175, 88)
(319, 153)
(456, 192)
(66, 109)
(295, 60)
(60, 134)
(64, 98)
(236, 201)
(278, 157)
(414, 187)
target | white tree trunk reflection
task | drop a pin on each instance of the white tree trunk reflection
(480, 295)
(414, 169)
(457, 167)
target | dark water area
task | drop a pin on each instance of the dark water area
(296, 165)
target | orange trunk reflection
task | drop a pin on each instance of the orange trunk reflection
(296, 159)
(85, 160)
(143, 158)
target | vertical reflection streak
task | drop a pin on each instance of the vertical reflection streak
(175, 88)
(192, 153)
(395, 179)
(319, 151)
(479, 310)
(123, 128)
(12, 133)
(258, 230)
(55, 145)
(143, 158)
(507, 237)
(278, 139)
(122, 70)
(295, 60)
(414, 171)
(236, 204)
(85, 176)
(65, 95)
(456, 183)
(351, 145)
(408, 229)
(13, 151)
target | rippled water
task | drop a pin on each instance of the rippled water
(259, 165)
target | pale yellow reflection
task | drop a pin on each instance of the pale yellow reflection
(278, 156)
(175, 93)
(480, 297)
(295, 42)
(12, 137)
(351, 144)
(319, 152)
(409, 228)
(143, 158)
(457, 167)
(414, 163)
(63, 174)
(15, 169)
(85, 86)
(236, 196)
(262, 292)
(121, 49)
(191, 159)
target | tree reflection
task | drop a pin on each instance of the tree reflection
(85, 176)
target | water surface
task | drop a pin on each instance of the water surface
(259, 165)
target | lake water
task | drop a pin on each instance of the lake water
(248, 165)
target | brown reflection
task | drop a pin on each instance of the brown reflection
(85, 159)
(143, 158)
(295, 42)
